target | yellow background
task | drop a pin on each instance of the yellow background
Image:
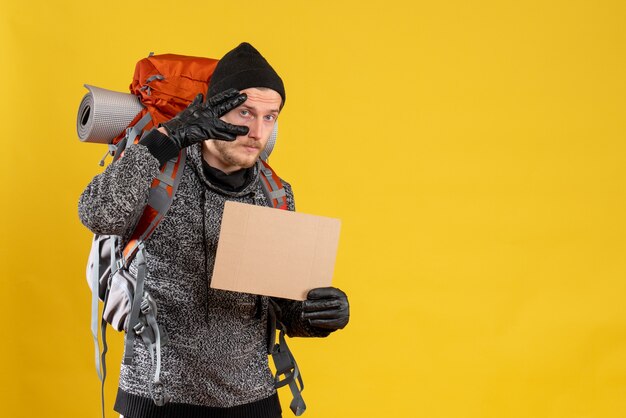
(473, 149)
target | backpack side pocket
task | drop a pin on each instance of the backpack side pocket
(120, 300)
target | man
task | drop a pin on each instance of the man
(215, 363)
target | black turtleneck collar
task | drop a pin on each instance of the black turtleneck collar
(233, 182)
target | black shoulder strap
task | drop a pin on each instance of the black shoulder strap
(287, 370)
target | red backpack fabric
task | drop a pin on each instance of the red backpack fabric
(167, 84)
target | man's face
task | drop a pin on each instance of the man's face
(258, 113)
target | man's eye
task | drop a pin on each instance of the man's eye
(270, 118)
(244, 112)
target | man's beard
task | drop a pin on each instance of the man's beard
(227, 153)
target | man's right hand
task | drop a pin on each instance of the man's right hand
(201, 121)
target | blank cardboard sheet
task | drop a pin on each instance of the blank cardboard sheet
(273, 252)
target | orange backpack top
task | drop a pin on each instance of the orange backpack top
(166, 84)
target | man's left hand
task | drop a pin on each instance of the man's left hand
(326, 308)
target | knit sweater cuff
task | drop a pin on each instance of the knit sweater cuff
(160, 146)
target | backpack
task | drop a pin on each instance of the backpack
(165, 85)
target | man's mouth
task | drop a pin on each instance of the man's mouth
(251, 146)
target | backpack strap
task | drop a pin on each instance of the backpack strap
(287, 370)
(159, 201)
(105, 349)
(95, 277)
(272, 186)
(286, 366)
(136, 305)
(132, 133)
(143, 322)
(153, 340)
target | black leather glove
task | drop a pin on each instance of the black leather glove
(327, 308)
(201, 121)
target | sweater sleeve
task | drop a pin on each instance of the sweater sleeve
(113, 201)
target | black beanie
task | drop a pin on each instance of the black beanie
(242, 68)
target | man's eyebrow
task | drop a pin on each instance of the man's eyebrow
(255, 109)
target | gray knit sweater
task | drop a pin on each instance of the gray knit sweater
(217, 350)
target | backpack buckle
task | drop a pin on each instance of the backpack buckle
(145, 306)
(160, 396)
(139, 328)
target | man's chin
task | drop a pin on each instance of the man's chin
(248, 162)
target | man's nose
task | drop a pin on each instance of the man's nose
(255, 129)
